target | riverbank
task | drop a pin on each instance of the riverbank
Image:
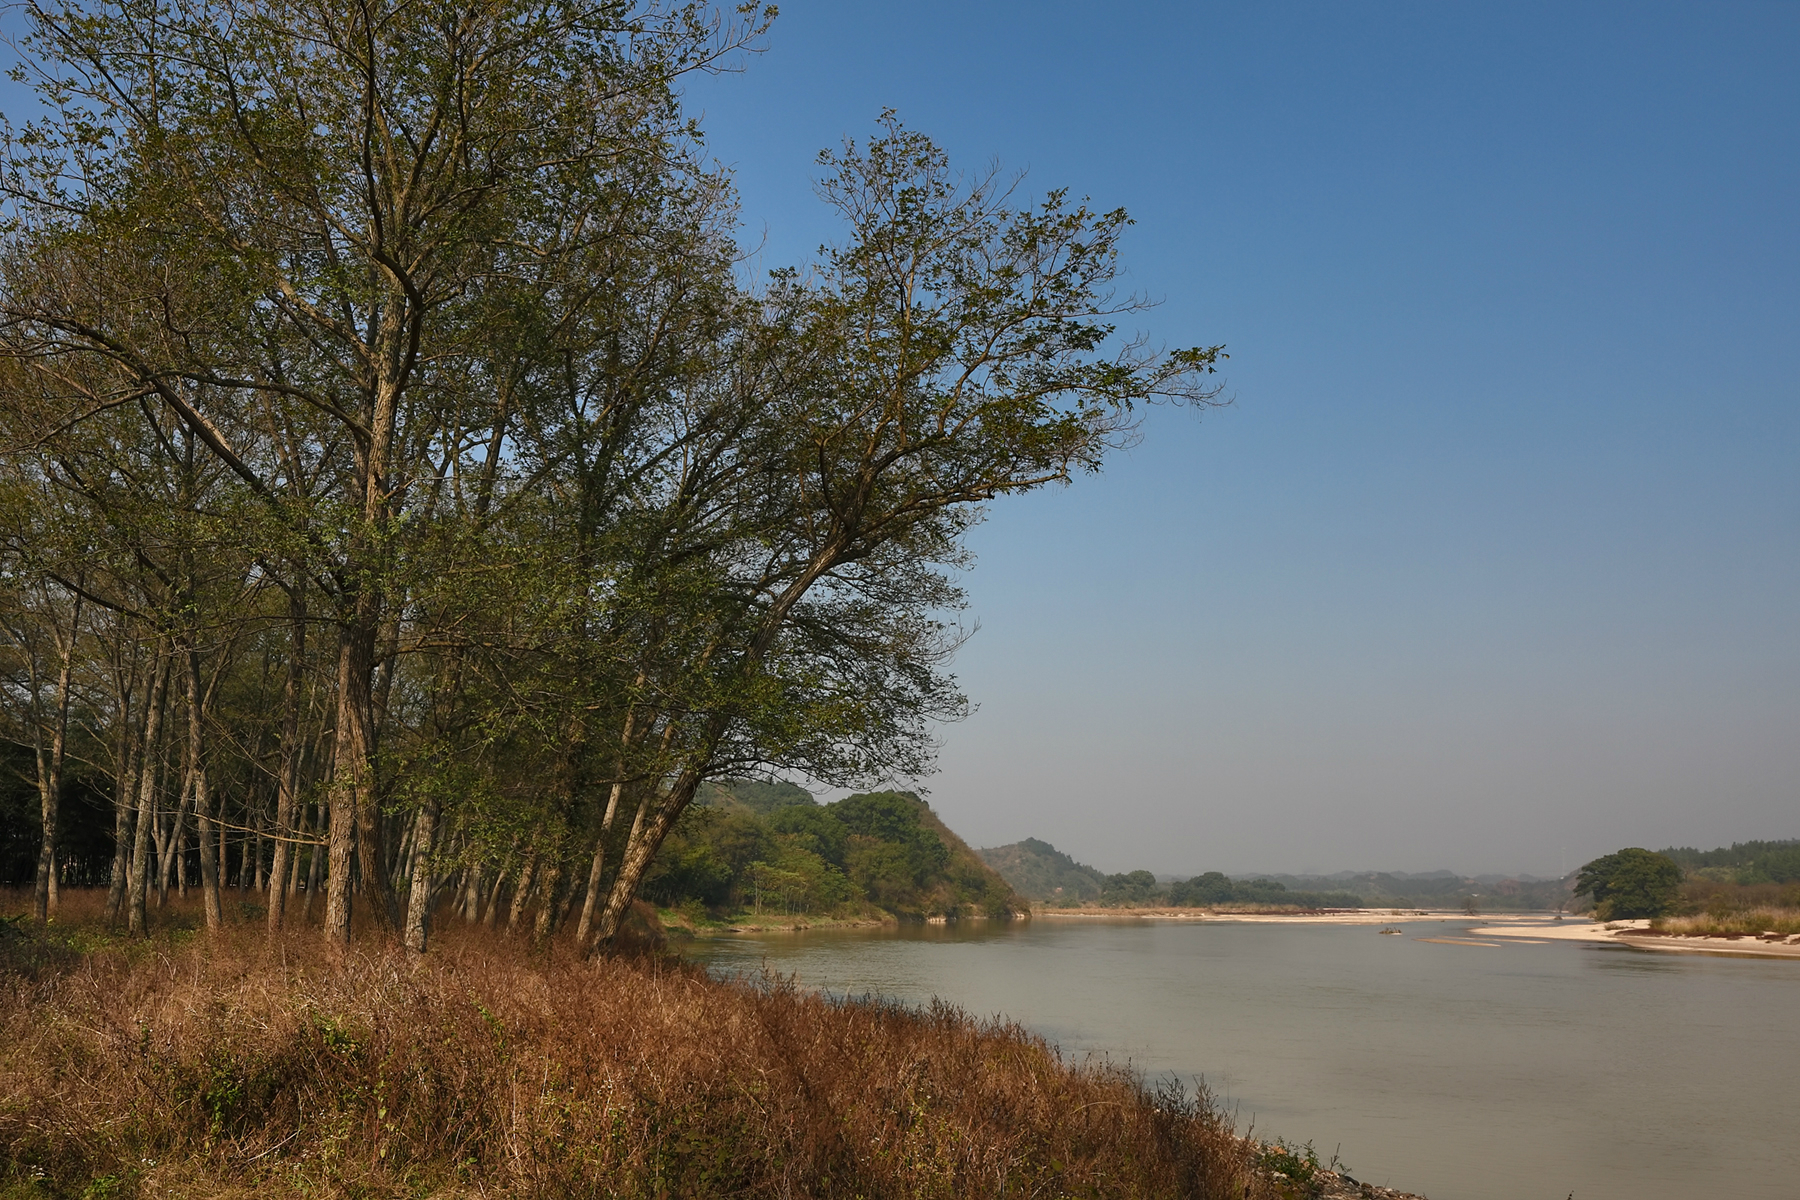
(1524, 927)
(234, 1065)
(676, 923)
(1639, 935)
(1333, 916)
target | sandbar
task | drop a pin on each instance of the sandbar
(1638, 935)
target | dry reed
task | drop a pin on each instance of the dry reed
(232, 1064)
(1732, 922)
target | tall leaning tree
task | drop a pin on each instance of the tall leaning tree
(956, 347)
(288, 215)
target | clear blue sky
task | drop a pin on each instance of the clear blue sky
(1493, 564)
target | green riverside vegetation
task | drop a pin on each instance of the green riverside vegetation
(1745, 889)
(760, 850)
(1742, 863)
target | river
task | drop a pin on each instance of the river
(1522, 1072)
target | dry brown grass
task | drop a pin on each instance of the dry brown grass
(1732, 922)
(233, 1065)
(1713, 907)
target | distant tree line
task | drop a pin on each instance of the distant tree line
(1040, 871)
(1213, 889)
(405, 499)
(1745, 863)
(1745, 876)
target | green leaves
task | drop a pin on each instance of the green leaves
(1631, 883)
(432, 313)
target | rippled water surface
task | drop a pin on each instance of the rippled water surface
(1466, 1073)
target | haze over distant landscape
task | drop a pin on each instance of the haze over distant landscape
(1492, 565)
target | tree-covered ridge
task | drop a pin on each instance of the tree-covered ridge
(1440, 890)
(1040, 871)
(772, 850)
(1746, 863)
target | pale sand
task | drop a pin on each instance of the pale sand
(1357, 916)
(1459, 942)
(1364, 916)
(1637, 935)
(1515, 928)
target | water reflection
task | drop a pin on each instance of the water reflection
(1466, 1072)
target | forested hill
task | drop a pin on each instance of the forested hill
(771, 849)
(1039, 871)
(1745, 863)
(1042, 872)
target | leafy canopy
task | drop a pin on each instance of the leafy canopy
(1631, 883)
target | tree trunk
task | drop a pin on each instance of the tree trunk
(471, 901)
(418, 897)
(315, 866)
(545, 925)
(181, 867)
(173, 840)
(640, 849)
(203, 813)
(124, 793)
(137, 918)
(355, 817)
(290, 886)
(171, 852)
(50, 773)
(523, 894)
(491, 907)
(590, 902)
(259, 879)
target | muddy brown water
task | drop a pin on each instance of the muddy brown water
(1464, 1072)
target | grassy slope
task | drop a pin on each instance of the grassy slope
(233, 1066)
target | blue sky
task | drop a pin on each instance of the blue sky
(1492, 565)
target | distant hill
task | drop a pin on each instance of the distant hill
(750, 847)
(1039, 871)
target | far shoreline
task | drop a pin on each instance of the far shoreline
(1519, 928)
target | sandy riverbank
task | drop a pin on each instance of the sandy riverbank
(1637, 935)
(1522, 928)
(1354, 916)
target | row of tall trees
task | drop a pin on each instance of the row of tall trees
(398, 475)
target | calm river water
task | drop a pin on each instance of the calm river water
(1526, 1072)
